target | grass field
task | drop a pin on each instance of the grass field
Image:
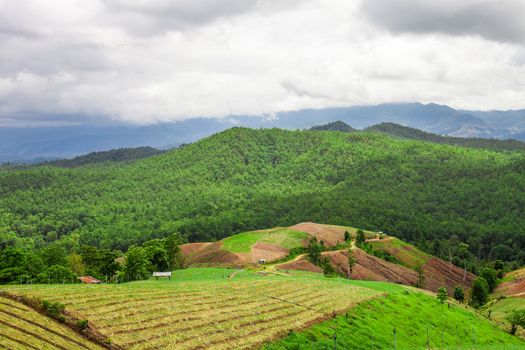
(24, 328)
(500, 308)
(219, 308)
(282, 237)
(370, 325)
(203, 308)
(407, 254)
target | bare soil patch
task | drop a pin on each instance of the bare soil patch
(268, 251)
(515, 287)
(439, 273)
(330, 235)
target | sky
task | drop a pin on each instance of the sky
(150, 61)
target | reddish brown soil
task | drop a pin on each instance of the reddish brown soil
(439, 274)
(267, 251)
(330, 235)
(515, 287)
(211, 253)
(301, 265)
(369, 267)
(193, 247)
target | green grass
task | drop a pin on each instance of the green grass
(204, 274)
(370, 325)
(282, 237)
(500, 308)
(202, 308)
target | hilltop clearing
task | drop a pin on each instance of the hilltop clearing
(270, 244)
(286, 246)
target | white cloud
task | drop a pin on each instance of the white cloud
(157, 60)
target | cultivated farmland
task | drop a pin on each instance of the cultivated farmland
(23, 328)
(203, 308)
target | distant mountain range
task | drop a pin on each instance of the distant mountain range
(49, 143)
(416, 134)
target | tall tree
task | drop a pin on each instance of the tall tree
(137, 263)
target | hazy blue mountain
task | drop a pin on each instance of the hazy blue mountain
(416, 134)
(28, 144)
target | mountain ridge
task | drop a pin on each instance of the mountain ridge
(27, 144)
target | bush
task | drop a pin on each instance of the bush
(328, 269)
(491, 276)
(82, 324)
(459, 294)
(360, 237)
(516, 318)
(54, 310)
(442, 295)
(479, 293)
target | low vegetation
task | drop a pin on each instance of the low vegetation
(412, 315)
(204, 308)
(23, 328)
(281, 237)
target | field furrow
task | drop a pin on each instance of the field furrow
(220, 313)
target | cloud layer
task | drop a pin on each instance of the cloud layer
(145, 61)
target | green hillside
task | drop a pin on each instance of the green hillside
(243, 179)
(334, 126)
(371, 324)
(115, 155)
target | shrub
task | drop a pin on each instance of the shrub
(82, 324)
(54, 310)
(516, 318)
(459, 294)
(479, 293)
(328, 269)
(360, 237)
(314, 250)
(491, 276)
(442, 295)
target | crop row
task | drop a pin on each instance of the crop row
(29, 329)
(219, 314)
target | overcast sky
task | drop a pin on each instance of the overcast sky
(144, 61)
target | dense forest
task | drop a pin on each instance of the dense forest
(439, 197)
(114, 155)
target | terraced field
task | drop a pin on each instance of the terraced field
(24, 328)
(203, 308)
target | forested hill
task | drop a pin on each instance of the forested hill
(115, 155)
(416, 134)
(243, 179)
(334, 126)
